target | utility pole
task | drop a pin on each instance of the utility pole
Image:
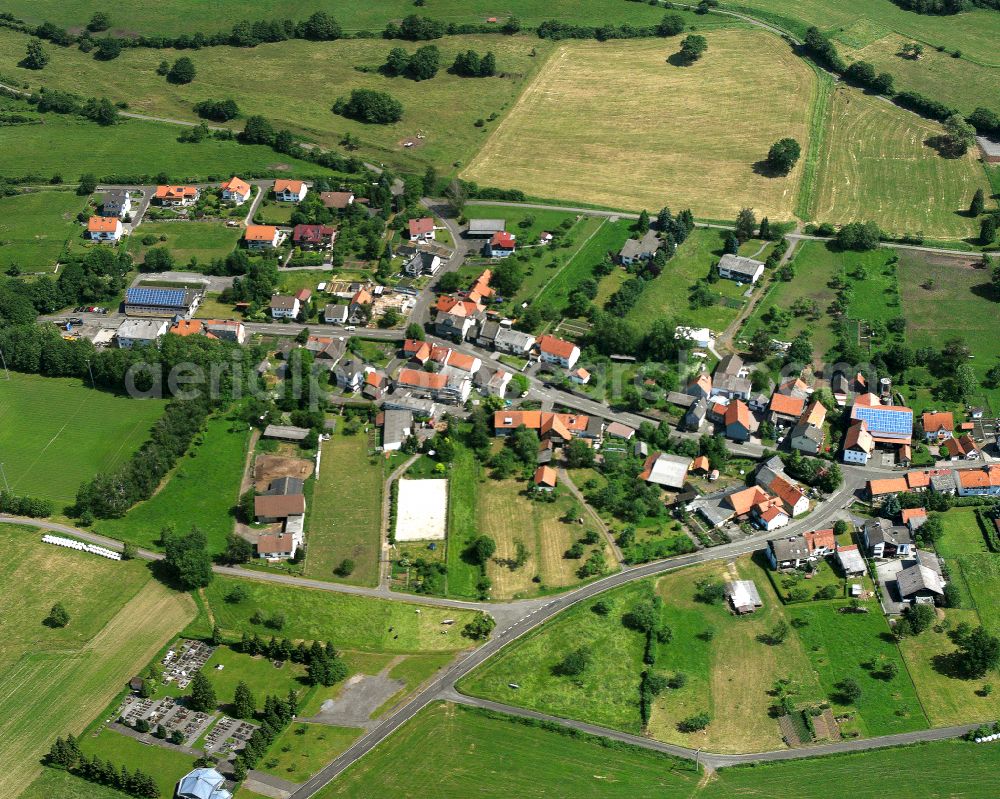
(92, 384)
(4, 475)
(4, 362)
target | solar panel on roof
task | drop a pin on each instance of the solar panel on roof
(885, 421)
(155, 296)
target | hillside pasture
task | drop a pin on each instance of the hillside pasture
(588, 127)
(56, 433)
(56, 681)
(69, 147)
(186, 240)
(441, 111)
(880, 166)
(35, 227)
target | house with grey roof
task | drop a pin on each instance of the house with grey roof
(486, 227)
(695, 415)
(397, 425)
(639, 249)
(336, 313)
(513, 341)
(117, 203)
(740, 268)
(883, 539)
(730, 378)
(919, 584)
(140, 332)
(487, 335)
(422, 263)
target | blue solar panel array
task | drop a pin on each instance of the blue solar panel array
(173, 298)
(883, 421)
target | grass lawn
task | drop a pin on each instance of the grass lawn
(164, 765)
(956, 81)
(838, 644)
(57, 784)
(351, 622)
(303, 749)
(816, 264)
(187, 240)
(257, 672)
(667, 295)
(442, 110)
(508, 517)
(583, 129)
(202, 490)
(877, 167)
(56, 433)
(56, 680)
(34, 228)
(70, 147)
(211, 308)
(293, 281)
(607, 693)
(463, 521)
(959, 304)
(595, 244)
(450, 751)
(346, 516)
(177, 16)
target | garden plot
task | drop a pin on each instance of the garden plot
(421, 510)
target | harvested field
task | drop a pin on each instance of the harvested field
(270, 467)
(47, 694)
(588, 127)
(879, 164)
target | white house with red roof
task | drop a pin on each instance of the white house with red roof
(557, 350)
(235, 190)
(422, 229)
(500, 245)
(290, 191)
(104, 228)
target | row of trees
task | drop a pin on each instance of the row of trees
(670, 25)
(324, 666)
(66, 754)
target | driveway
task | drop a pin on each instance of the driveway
(887, 571)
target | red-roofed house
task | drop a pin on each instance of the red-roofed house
(580, 376)
(962, 448)
(738, 421)
(422, 229)
(290, 191)
(416, 350)
(500, 245)
(979, 482)
(938, 426)
(556, 350)
(262, 237)
(236, 191)
(785, 409)
(545, 478)
(914, 518)
(176, 196)
(858, 443)
(314, 237)
(104, 228)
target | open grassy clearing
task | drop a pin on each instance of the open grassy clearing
(878, 166)
(443, 109)
(667, 295)
(585, 129)
(351, 622)
(202, 490)
(187, 240)
(974, 32)
(955, 81)
(959, 303)
(57, 784)
(463, 521)
(35, 227)
(178, 16)
(717, 670)
(495, 757)
(56, 433)
(303, 749)
(51, 691)
(166, 766)
(346, 516)
(508, 517)
(69, 147)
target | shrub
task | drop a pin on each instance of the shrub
(372, 107)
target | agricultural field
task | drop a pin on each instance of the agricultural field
(56, 680)
(584, 128)
(816, 264)
(946, 298)
(444, 751)
(667, 295)
(56, 433)
(957, 82)
(187, 240)
(173, 17)
(351, 622)
(202, 490)
(35, 227)
(69, 147)
(508, 517)
(878, 166)
(294, 70)
(345, 520)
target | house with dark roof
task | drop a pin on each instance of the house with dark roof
(422, 263)
(337, 200)
(885, 540)
(730, 378)
(314, 237)
(919, 585)
(807, 435)
(639, 249)
(117, 203)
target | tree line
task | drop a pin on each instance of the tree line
(66, 754)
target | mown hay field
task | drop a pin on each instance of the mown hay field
(54, 681)
(878, 165)
(615, 123)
